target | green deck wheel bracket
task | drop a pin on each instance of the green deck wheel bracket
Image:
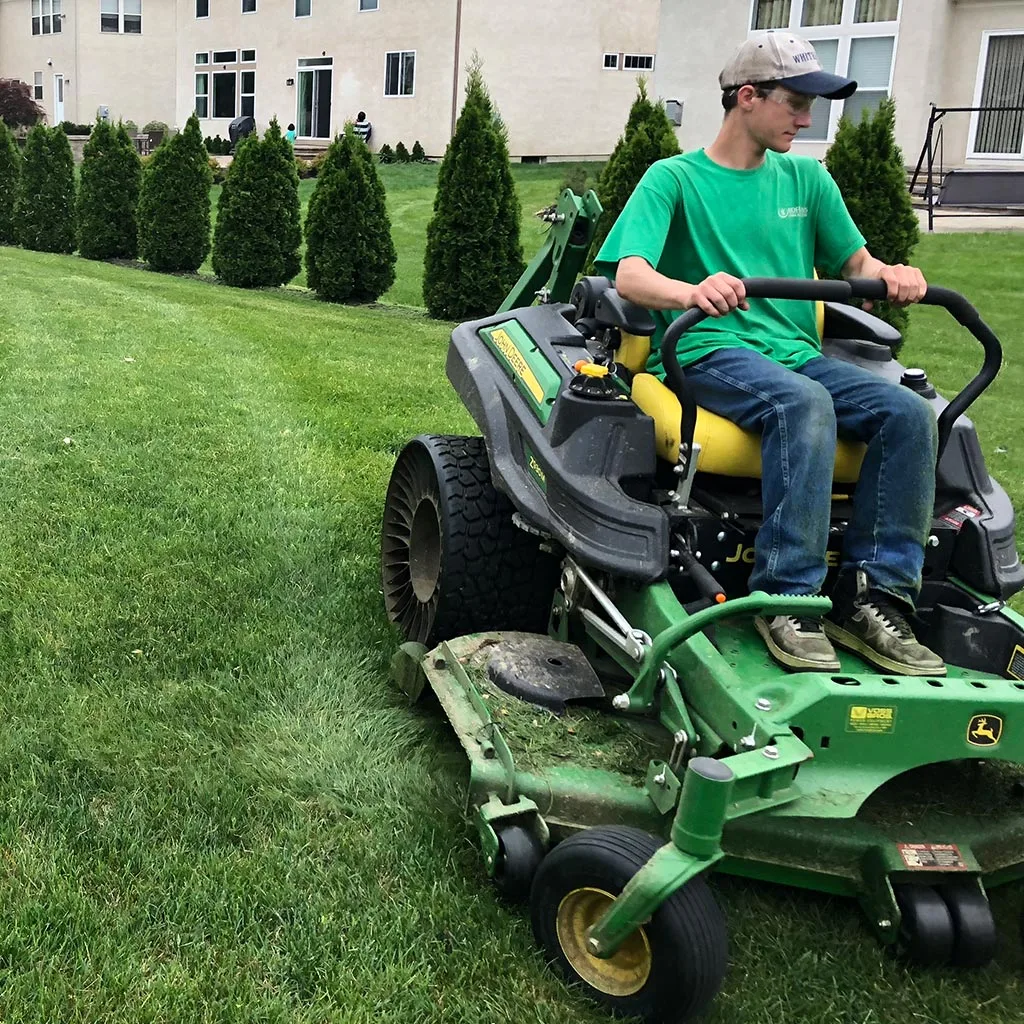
(494, 813)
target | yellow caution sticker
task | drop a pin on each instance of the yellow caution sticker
(984, 730)
(1015, 670)
(879, 720)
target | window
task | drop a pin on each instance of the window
(303, 8)
(611, 61)
(778, 13)
(399, 73)
(202, 8)
(202, 95)
(248, 6)
(225, 56)
(46, 17)
(224, 85)
(123, 16)
(853, 38)
(369, 5)
(248, 56)
(1000, 84)
(37, 86)
(637, 62)
(248, 93)
(203, 58)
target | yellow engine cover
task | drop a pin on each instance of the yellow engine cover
(725, 448)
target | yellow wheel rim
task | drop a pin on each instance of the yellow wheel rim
(623, 974)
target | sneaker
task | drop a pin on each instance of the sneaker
(873, 626)
(798, 643)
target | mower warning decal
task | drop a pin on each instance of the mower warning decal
(932, 856)
(984, 730)
(1016, 667)
(874, 720)
(956, 517)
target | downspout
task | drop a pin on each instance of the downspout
(455, 70)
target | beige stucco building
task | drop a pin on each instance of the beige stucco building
(563, 72)
(953, 53)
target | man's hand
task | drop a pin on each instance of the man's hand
(718, 294)
(905, 284)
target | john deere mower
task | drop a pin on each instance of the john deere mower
(572, 586)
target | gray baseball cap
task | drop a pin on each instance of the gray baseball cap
(785, 58)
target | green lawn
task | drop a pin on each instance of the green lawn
(215, 807)
(410, 189)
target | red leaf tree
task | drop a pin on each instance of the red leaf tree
(17, 107)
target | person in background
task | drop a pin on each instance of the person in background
(290, 134)
(362, 127)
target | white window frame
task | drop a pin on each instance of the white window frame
(605, 66)
(203, 17)
(49, 17)
(201, 95)
(255, 5)
(37, 85)
(234, 95)
(637, 56)
(972, 132)
(845, 32)
(401, 55)
(367, 10)
(121, 15)
(243, 96)
(242, 58)
(214, 60)
(202, 58)
(295, 10)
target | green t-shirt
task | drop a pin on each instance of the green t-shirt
(690, 217)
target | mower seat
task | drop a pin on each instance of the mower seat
(725, 448)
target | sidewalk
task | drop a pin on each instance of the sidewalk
(942, 224)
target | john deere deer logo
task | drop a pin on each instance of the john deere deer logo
(984, 730)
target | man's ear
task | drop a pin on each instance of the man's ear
(745, 96)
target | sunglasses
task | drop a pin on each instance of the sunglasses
(797, 104)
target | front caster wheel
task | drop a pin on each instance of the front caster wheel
(519, 856)
(926, 931)
(669, 970)
(974, 931)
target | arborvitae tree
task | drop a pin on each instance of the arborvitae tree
(10, 172)
(350, 256)
(174, 206)
(868, 167)
(648, 137)
(258, 234)
(402, 154)
(418, 156)
(108, 195)
(45, 207)
(386, 155)
(473, 255)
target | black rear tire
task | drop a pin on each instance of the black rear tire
(669, 970)
(452, 560)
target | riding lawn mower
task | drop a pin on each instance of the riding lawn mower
(572, 586)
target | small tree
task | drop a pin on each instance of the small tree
(648, 137)
(258, 234)
(386, 155)
(45, 207)
(108, 195)
(350, 256)
(868, 167)
(174, 205)
(402, 154)
(473, 255)
(10, 172)
(17, 107)
(418, 156)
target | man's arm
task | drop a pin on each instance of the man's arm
(637, 281)
(905, 284)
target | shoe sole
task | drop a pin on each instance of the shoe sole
(791, 660)
(849, 642)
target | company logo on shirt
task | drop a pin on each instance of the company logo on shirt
(792, 211)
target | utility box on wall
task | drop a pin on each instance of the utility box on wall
(103, 113)
(674, 111)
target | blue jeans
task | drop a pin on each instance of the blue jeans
(799, 414)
